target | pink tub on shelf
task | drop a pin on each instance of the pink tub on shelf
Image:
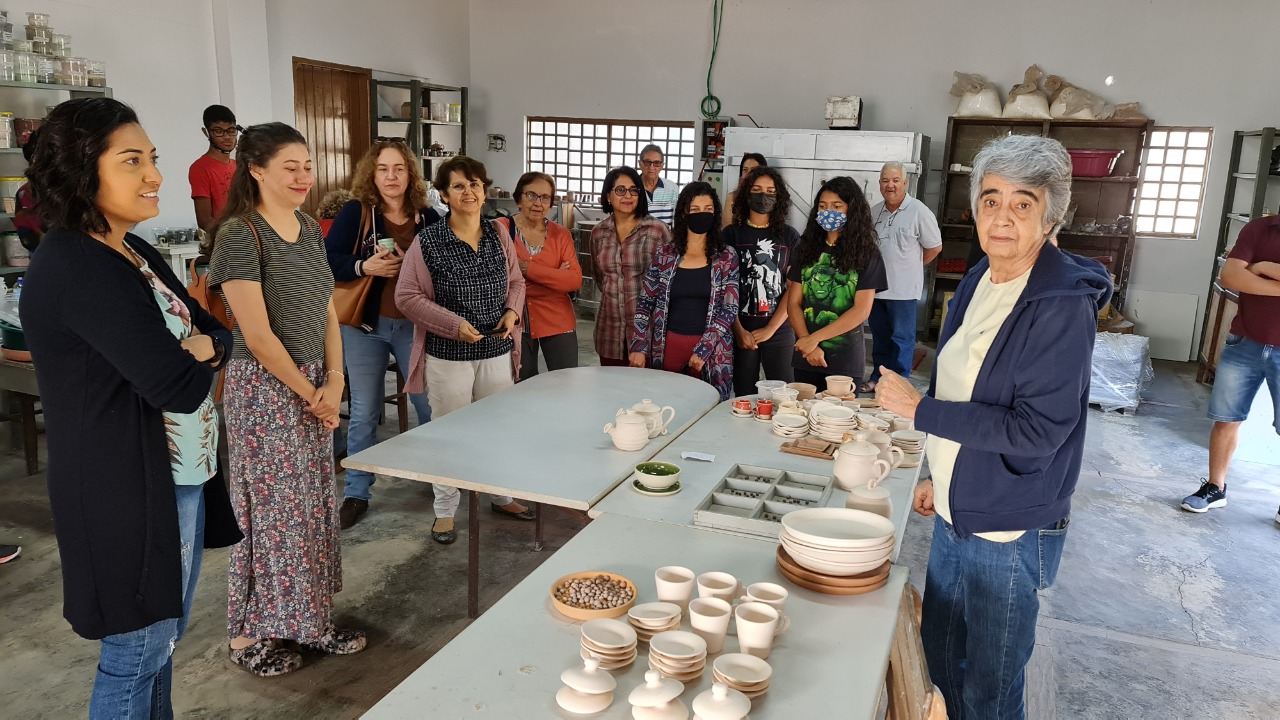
(1091, 162)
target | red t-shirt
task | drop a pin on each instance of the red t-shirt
(1259, 315)
(211, 179)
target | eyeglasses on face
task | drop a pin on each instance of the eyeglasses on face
(533, 197)
(621, 191)
(223, 132)
(475, 186)
(651, 163)
(394, 140)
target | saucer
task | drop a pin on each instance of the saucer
(638, 487)
(764, 419)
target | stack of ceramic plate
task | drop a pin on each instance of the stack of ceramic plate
(912, 444)
(790, 425)
(612, 641)
(745, 673)
(649, 619)
(830, 421)
(833, 544)
(868, 421)
(678, 655)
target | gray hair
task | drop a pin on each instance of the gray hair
(894, 165)
(651, 148)
(1030, 161)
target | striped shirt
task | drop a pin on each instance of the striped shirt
(296, 282)
(662, 201)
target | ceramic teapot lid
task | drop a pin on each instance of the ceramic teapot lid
(647, 407)
(655, 691)
(589, 679)
(876, 437)
(859, 447)
(721, 702)
(629, 417)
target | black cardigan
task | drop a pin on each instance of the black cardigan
(107, 367)
(340, 241)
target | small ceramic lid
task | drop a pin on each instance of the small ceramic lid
(859, 447)
(629, 417)
(589, 678)
(721, 702)
(647, 407)
(655, 691)
(875, 437)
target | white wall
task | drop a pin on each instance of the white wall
(160, 60)
(778, 60)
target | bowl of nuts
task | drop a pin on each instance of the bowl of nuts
(593, 594)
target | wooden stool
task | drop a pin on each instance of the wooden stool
(912, 696)
(400, 399)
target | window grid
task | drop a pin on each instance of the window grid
(1171, 198)
(579, 152)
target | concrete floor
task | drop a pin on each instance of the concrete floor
(1157, 613)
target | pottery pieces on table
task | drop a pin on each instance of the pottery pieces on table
(656, 416)
(678, 655)
(587, 688)
(859, 463)
(721, 702)
(658, 699)
(865, 582)
(628, 430)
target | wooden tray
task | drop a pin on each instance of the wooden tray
(791, 567)
(810, 447)
(832, 589)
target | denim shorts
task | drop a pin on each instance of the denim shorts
(1244, 365)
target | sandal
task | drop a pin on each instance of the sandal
(867, 387)
(266, 658)
(444, 537)
(527, 514)
(337, 642)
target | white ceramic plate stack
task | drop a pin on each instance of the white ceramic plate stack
(612, 641)
(790, 425)
(837, 542)
(649, 619)
(830, 422)
(747, 674)
(678, 655)
(911, 443)
(868, 421)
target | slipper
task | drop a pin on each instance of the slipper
(526, 514)
(444, 537)
(867, 387)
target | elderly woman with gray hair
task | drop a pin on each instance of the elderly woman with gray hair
(1005, 415)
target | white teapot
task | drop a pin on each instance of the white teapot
(888, 452)
(629, 430)
(859, 463)
(653, 416)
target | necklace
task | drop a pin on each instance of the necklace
(758, 227)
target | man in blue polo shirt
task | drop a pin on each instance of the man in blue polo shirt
(662, 193)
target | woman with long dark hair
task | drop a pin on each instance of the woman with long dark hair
(832, 283)
(683, 318)
(750, 161)
(283, 386)
(622, 247)
(126, 360)
(766, 245)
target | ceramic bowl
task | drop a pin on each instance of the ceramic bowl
(609, 634)
(805, 390)
(838, 528)
(838, 557)
(584, 614)
(827, 568)
(678, 645)
(657, 475)
(743, 669)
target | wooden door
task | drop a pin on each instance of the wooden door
(331, 108)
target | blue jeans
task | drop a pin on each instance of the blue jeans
(135, 669)
(366, 356)
(893, 336)
(979, 619)
(1241, 369)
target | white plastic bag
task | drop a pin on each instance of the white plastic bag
(1027, 100)
(978, 98)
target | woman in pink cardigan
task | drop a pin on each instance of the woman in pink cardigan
(461, 286)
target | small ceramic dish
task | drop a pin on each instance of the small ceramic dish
(609, 634)
(743, 669)
(607, 654)
(678, 645)
(654, 613)
(640, 488)
(610, 664)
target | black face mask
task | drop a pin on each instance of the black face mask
(700, 223)
(761, 202)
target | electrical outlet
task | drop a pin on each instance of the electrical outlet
(497, 143)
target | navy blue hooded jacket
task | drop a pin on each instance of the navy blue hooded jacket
(1022, 434)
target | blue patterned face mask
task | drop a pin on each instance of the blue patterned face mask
(831, 220)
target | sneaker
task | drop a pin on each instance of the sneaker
(1206, 498)
(9, 552)
(351, 511)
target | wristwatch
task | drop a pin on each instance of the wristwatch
(218, 351)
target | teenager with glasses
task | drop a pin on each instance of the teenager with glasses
(369, 238)
(210, 175)
(622, 246)
(549, 262)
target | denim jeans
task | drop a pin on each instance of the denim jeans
(366, 356)
(135, 669)
(979, 619)
(893, 336)
(1244, 365)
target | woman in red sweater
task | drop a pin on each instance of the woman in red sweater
(549, 262)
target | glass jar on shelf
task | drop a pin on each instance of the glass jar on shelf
(24, 67)
(22, 46)
(38, 19)
(6, 130)
(44, 69)
(97, 74)
(60, 45)
(79, 71)
(39, 47)
(39, 32)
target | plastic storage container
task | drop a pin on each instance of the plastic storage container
(24, 67)
(39, 32)
(7, 138)
(45, 72)
(6, 31)
(7, 72)
(38, 19)
(22, 46)
(97, 74)
(60, 45)
(1093, 162)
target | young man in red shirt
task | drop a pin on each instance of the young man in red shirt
(210, 175)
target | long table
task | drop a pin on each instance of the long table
(542, 441)
(832, 661)
(18, 388)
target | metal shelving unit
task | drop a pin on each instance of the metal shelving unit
(419, 132)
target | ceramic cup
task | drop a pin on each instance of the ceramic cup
(806, 390)
(720, 585)
(742, 405)
(675, 585)
(872, 499)
(839, 385)
(756, 624)
(771, 594)
(901, 423)
(387, 243)
(710, 620)
(782, 395)
(764, 408)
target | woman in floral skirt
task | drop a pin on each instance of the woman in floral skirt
(284, 383)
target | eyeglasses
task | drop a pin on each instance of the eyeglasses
(223, 132)
(621, 191)
(394, 140)
(651, 163)
(534, 197)
(475, 186)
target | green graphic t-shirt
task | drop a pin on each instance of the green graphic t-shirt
(828, 294)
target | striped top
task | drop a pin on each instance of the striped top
(662, 201)
(295, 276)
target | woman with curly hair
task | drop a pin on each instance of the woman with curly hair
(832, 283)
(766, 245)
(370, 237)
(690, 299)
(750, 161)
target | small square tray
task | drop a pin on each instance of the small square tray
(751, 500)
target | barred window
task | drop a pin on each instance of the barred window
(1172, 194)
(578, 152)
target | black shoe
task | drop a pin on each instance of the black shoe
(444, 537)
(351, 511)
(9, 552)
(526, 514)
(1209, 496)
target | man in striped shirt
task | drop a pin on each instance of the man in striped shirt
(662, 194)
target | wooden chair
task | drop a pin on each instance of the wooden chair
(400, 399)
(912, 696)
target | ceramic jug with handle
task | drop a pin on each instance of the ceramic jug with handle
(859, 463)
(888, 452)
(629, 431)
(655, 416)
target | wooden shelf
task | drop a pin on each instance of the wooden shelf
(1239, 217)
(1100, 236)
(956, 226)
(51, 86)
(424, 122)
(11, 151)
(1130, 180)
(408, 85)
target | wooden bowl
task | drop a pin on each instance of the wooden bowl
(794, 570)
(582, 614)
(831, 589)
(15, 355)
